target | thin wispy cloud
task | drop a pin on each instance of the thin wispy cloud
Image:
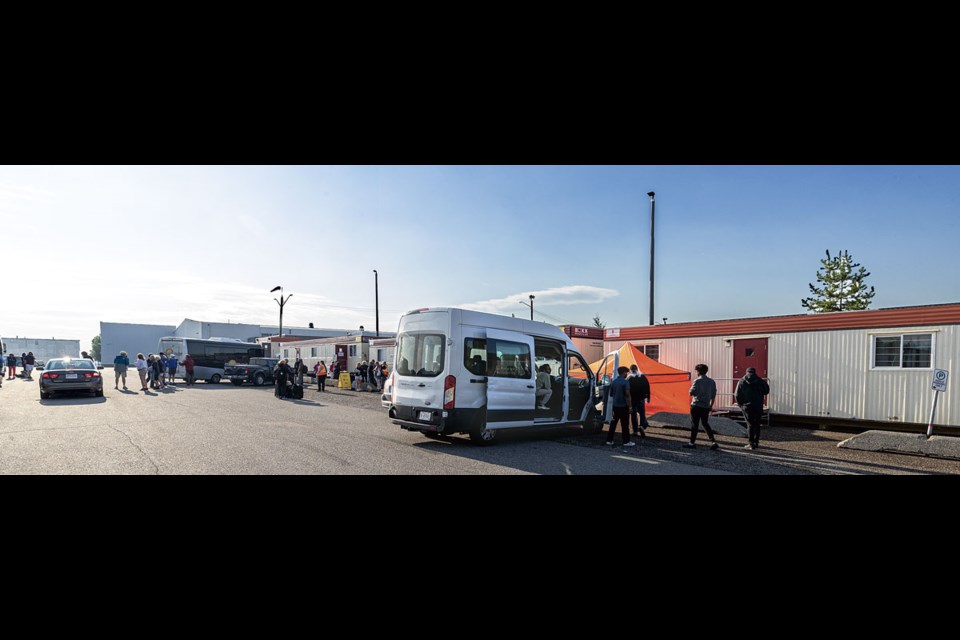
(568, 295)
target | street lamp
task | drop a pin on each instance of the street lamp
(376, 299)
(528, 304)
(652, 213)
(281, 302)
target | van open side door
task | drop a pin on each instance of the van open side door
(511, 385)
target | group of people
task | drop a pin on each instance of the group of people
(155, 371)
(374, 373)
(631, 389)
(628, 393)
(28, 363)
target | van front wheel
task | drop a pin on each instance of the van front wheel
(483, 436)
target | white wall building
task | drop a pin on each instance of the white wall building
(42, 348)
(874, 365)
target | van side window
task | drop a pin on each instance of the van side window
(475, 356)
(508, 359)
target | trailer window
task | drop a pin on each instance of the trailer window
(420, 354)
(908, 351)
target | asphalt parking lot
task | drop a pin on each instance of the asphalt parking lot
(222, 429)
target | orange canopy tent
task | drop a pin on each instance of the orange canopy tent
(669, 387)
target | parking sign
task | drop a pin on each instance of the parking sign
(940, 379)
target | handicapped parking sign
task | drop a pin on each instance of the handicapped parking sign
(940, 379)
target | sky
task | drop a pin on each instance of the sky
(157, 244)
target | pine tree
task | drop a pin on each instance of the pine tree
(599, 324)
(843, 287)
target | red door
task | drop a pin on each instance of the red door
(341, 350)
(751, 352)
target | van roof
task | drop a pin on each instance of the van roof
(496, 321)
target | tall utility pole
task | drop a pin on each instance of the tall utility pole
(652, 214)
(376, 299)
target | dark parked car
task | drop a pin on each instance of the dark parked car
(70, 374)
(259, 371)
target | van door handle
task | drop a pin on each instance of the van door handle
(421, 385)
(480, 381)
(529, 386)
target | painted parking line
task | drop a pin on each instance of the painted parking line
(637, 460)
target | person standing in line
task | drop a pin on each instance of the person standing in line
(620, 399)
(372, 372)
(384, 374)
(321, 376)
(750, 392)
(639, 393)
(28, 362)
(163, 369)
(172, 367)
(120, 364)
(188, 369)
(280, 375)
(157, 372)
(141, 366)
(703, 392)
(336, 371)
(11, 365)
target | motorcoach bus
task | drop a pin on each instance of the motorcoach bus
(210, 356)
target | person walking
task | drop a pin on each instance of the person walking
(620, 399)
(172, 367)
(28, 362)
(120, 364)
(188, 369)
(141, 366)
(11, 366)
(639, 393)
(750, 392)
(703, 392)
(321, 376)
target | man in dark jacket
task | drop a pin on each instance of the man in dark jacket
(281, 373)
(750, 392)
(639, 393)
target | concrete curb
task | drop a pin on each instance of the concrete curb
(911, 443)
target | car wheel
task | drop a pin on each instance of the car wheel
(214, 379)
(237, 383)
(99, 393)
(259, 379)
(44, 395)
(483, 436)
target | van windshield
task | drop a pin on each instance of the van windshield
(420, 354)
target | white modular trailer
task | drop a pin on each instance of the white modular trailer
(874, 366)
(463, 371)
(348, 350)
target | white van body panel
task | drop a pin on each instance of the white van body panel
(479, 400)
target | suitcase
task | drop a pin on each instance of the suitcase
(297, 392)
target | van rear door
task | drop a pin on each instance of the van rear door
(511, 385)
(419, 378)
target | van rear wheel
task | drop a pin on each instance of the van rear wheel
(593, 425)
(483, 436)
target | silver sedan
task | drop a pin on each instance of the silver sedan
(70, 374)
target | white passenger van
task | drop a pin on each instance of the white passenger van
(461, 371)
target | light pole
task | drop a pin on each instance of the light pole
(376, 299)
(652, 213)
(281, 302)
(528, 304)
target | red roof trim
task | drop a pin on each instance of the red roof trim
(871, 319)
